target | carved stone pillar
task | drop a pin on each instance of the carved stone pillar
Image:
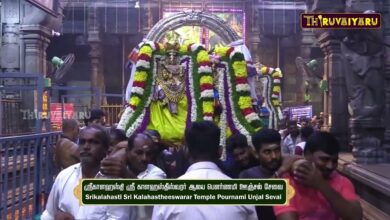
(35, 41)
(10, 55)
(254, 47)
(336, 109)
(146, 19)
(307, 40)
(335, 100)
(386, 39)
(96, 55)
(253, 37)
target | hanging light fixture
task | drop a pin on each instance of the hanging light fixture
(136, 4)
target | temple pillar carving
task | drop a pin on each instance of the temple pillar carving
(335, 99)
(96, 56)
(386, 40)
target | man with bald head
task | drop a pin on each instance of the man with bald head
(134, 161)
(66, 151)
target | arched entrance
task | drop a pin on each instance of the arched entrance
(194, 18)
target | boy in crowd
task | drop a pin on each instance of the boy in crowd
(243, 157)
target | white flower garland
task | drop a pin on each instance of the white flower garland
(235, 51)
(152, 45)
(222, 123)
(143, 63)
(136, 124)
(191, 87)
(243, 87)
(137, 90)
(207, 118)
(194, 47)
(204, 69)
(271, 117)
(208, 93)
(141, 117)
(125, 118)
(252, 117)
(237, 124)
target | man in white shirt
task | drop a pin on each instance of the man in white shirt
(134, 162)
(306, 132)
(289, 143)
(63, 202)
(202, 139)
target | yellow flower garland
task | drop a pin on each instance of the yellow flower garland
(263, 70)
(162, 48)
(277, 74)
(206, 80)
(245, 102)
(140, 76)
(221, 51)
(208, 107)
(134, 100)
(239, 68)
(183, 48)
(202, 56)
(276, 89)
(146, 49)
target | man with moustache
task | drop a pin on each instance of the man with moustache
(272, 165)
(133, 162)
(63, 203)
(320, 191)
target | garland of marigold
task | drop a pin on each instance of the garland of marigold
(202, 80)
(276, 76)
(242, 101)
(143, 81)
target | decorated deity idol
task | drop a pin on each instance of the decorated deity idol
(170, 81)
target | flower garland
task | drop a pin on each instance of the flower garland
(273, 77)
(242, 100)
(276, 77)
(191, 109)
(223, 121)
(202, 81)
(199, 84)
(233, 116)
(140, 97)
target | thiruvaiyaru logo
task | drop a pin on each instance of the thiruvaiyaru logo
(341, 20)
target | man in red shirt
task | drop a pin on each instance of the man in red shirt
(321, 193)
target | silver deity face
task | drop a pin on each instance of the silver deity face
(173, 58)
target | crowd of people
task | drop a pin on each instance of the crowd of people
(299, 152)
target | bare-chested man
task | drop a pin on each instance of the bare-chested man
(66, 151)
